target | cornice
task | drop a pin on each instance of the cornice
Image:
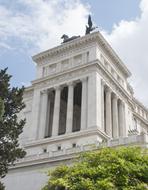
(93, 37)
(42, 161)
(64, 47)
(58, 139)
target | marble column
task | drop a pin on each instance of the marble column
(84, 104)
(69, 120)
(115, 117)
(43, 114)
(121, 119)
(46, 134)
(108, 112)
(56, 114)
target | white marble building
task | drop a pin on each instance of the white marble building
(80, 100)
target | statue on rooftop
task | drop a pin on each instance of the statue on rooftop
(67, 39)
(89, 27)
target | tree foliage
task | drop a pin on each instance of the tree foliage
(1, 108)
(11, 103)
(123, 168)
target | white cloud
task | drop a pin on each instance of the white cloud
(129, 38)
(42, 22)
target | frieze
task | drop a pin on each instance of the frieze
(63, 78)
(67, 55)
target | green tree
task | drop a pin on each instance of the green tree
(123, 168)
(1, 108)
(11, 103)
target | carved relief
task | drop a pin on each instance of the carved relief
(65, 64)
(51, 69)
(77, 60)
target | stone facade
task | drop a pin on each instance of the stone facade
(79, 101)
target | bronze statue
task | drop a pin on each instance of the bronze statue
(67, 39)
(90, 27)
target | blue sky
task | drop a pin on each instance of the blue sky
(108, 12)
(28, 27)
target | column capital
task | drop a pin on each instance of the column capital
(84, 79)
(58, 87)
(121, 103)
(115, 96)
(45, 91)
(71, 83)
(103, 82)
(107, 89)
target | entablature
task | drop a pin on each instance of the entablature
(77, 45)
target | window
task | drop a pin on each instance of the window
(74, 145)
(59, 147)
(87, 56)
(44, 150)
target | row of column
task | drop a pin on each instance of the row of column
(113, 113)
(44, 115)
